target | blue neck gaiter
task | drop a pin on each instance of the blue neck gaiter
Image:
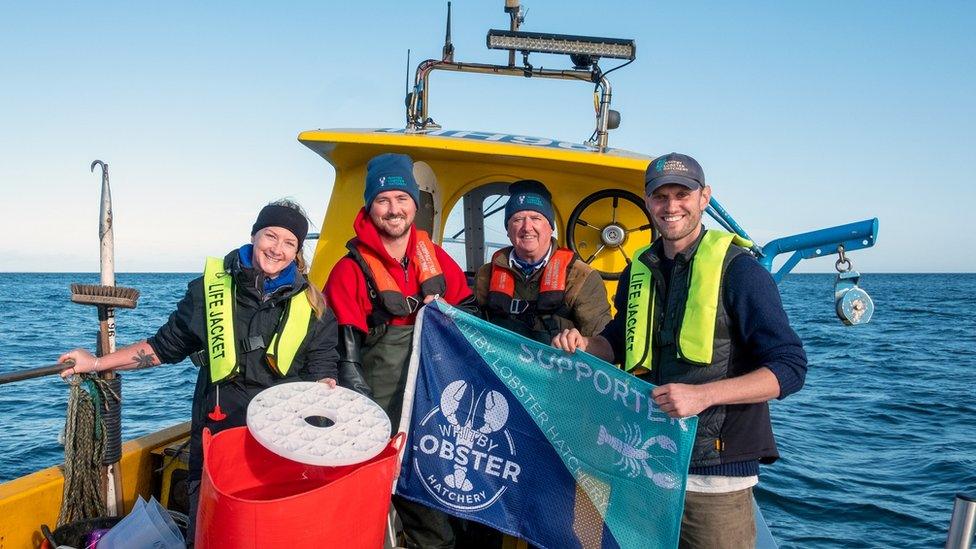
(526, 267)
(284, 278)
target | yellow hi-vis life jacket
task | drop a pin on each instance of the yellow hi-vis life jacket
(697, 330)
(218, 287)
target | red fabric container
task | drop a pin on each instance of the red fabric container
(252, 497)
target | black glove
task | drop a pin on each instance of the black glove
(469, 305)
(350, 364)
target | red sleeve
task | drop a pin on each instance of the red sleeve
(345, 291)
(457, 283)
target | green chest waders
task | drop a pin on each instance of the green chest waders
(386, 357)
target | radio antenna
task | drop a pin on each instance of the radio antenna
(406, 79)
(408, 96)
(448, 52)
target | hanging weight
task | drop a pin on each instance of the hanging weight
(854, 305)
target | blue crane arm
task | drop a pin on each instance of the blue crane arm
(819, 243)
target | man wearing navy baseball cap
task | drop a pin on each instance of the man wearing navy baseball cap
(717, 343)
(673, 181)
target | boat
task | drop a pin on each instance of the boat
(598, 202)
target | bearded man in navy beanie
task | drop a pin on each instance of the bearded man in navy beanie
(376, 291)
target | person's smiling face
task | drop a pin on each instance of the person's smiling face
(393, 213)
(676, 212)
(530, 233)
(274, 249)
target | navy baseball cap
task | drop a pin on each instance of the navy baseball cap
(673, 169)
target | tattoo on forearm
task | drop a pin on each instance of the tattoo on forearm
(144, 359)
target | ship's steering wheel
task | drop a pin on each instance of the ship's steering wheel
(596, 237)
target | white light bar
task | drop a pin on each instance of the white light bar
(616, 48)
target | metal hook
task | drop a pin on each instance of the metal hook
(99, 163)
(842, 261)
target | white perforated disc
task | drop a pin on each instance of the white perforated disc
(276, 418)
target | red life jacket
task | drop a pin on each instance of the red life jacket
(388, 300)
(552, 286)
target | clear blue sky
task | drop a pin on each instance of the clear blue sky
(803, 114)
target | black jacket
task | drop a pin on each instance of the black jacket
(254, 315)
(754, 323)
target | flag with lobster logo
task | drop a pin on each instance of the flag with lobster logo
(563, 450)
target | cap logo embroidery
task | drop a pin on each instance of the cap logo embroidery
(675, 165)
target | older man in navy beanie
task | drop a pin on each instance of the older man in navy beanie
(534, 287)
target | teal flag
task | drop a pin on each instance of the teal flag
(563, 450)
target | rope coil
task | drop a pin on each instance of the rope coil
(84, 447)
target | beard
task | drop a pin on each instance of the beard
(387, 230)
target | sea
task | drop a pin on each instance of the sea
(874, 448)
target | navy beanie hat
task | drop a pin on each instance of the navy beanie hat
(529, 194)
(390, 172)
(274, 215)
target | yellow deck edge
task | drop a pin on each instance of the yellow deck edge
(35, 499)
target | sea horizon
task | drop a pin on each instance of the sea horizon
(873, 448)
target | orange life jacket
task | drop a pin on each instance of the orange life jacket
(552, 286)
(387, 298)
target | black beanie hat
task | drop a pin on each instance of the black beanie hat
(274, 215)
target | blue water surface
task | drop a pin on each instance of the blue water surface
(874, 448)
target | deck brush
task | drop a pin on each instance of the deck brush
(109, 296)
